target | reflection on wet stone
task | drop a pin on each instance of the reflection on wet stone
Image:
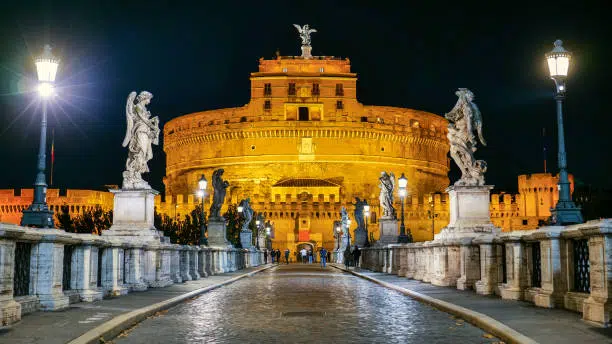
(304, 304)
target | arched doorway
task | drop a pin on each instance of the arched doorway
(303, 245)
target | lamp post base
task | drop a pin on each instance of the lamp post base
(38, 216)
(404, 238)
(566, 213)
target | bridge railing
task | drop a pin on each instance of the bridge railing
(554, 267)
(47, 269)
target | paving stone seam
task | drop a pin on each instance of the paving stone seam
(477, 319)
(112, 328)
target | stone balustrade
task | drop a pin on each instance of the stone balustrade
(554, 267)
(47, 269)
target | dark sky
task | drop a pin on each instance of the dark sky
(198, 56)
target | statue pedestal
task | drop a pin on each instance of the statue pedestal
(246, 239)
(217, 233)
(388, 231)
(469, 212)
(361, 237)
(133, 215)
(306, 51)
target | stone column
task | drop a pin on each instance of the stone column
(202, 262)
(150, 257)
(193, 263)
(516, 269)
(429, 261)
(488, 266)
(175, 265)
(598, 306)
(185, 269)
(419, 255)
(10, 310)
(47, 265)
(553, 266)
(446, 264)
(470, 264)
(410, 261)
(402, 260)
(85, 272)
(113, 270)
(209, 261)
(163, 268)
(135, 268)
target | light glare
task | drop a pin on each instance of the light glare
(45, 90)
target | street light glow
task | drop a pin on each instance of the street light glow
(203, 183)
(558, 60)
(46, 65)
(46, 90)
(402, 181)
(240, 208)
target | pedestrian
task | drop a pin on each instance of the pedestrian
(309, 256)
(347, 257)
(328, 256)
(303, 253)
(272, 256)
(278, 254)
(287, 256)
(356, 255)
(265, 256)
(323, 254)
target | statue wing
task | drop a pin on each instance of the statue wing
(129, 116)
(312, 30)
(392, 180)
(477, 118)
(299, 28)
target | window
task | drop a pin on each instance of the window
(267, 105)
(243, 119)
(291, 90)
(364, 118)
(525, 222)
(339, 90)
(303, 113)
(339, 105)
(321, 70)
(267, 89)
(315, 89)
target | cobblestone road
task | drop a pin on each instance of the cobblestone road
(303, 304)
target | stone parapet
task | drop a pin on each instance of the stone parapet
(57, 268)
(561, 267)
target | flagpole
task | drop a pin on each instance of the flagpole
(52, 154)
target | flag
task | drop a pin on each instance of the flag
(52, 154)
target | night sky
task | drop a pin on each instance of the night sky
(198, 57)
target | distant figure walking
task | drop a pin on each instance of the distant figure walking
(265, 256)
(356, 255)
(309, 256)
(347, 257)
(303, 253)
(272, 256)
(287, 256)
(323, 255)
(278, 254)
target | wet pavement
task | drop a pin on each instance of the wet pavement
(303, 304)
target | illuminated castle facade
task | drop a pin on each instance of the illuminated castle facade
(304, 147)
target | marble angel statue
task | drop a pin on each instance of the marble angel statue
(219, 189)
(247, 213)
(142, 131)
(464, 132)
(387, 185)
(305, 32)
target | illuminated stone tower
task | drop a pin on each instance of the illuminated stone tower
(304, 146)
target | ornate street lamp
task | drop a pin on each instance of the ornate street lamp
(565, 212)
(338, 231)
(38, 213)
(403, 183)
(432, 215)
(202, 183)
(366, 214)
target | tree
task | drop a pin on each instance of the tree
(186, 231)
(93, 220)
(234, 225)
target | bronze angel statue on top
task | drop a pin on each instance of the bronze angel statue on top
(305, 32)
(142, 131)
(464, 132)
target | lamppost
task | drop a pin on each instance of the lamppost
(38, 213)
(403, 237)
(565, 212)
(202, 183)
(366, 214)
(269, 247)
(338, 231)
(432, 215)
